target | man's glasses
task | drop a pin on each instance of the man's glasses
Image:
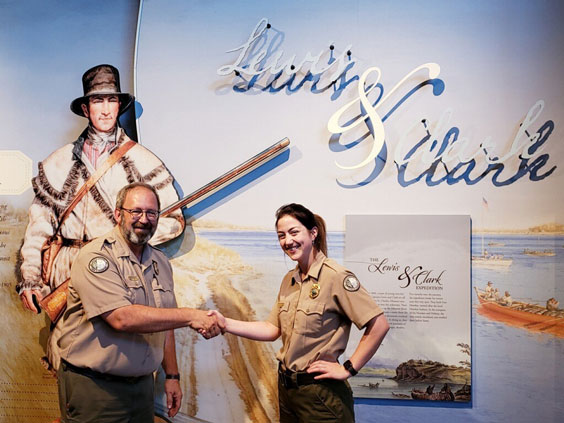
(137, 213)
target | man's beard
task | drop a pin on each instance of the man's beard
(132, 237)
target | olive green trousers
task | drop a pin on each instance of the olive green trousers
(84, 399)
(324, 402)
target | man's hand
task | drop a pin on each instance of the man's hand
(27, 299)
(206, 325)
(173, 396)
(220, 319)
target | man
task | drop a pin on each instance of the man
(61, 176)
(489, 290)
(552, 304)
(507, 300)
(119, 323)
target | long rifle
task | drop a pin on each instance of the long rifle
(231, 176)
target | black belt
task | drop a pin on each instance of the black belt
(93, 374)
(292, 379)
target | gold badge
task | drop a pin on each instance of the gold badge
(98, 265)
(314, 293)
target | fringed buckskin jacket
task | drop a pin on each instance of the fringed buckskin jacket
(59, 178)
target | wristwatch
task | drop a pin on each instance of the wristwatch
(348, 366)
(173, 376)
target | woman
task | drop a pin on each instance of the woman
(316, 305)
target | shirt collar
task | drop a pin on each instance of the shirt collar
(314, 269)
(122, 249)
(79, 143)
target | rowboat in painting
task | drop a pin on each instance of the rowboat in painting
(435, 396)
(493, 261)
(539, 253)
(445, 394)
(533, 317)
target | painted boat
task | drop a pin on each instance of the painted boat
(491, 261)
(435, 396)
(539, 253)
(532, 317)
(445, 394)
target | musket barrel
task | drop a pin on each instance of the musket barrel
(228, 177)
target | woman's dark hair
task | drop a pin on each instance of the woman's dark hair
(309, 220)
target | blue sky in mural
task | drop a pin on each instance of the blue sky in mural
(45, 47)
(496, 63)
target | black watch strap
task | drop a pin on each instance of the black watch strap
(173, 376)
(348, 365)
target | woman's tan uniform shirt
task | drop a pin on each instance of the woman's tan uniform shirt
(318, 327)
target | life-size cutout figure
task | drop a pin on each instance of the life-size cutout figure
(60, 178)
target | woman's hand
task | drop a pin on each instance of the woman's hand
(220, 320)
(328, 370)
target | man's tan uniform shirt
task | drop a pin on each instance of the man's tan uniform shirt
(315, 315)
(105, 276)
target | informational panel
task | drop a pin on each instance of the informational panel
(417, 268)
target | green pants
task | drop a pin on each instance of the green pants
(328, 401)
(84, 399)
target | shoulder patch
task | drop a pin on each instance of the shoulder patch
(335, 266)
(98, 265)
(351, 283)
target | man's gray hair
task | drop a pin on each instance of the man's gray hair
(122, 194)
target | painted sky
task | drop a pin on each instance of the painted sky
(496, 63)
(45, 47)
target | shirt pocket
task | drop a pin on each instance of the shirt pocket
(309, 318)
(135, 289)
(164, 295)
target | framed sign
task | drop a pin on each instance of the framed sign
(417, 268)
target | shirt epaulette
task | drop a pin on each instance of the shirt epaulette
(338, 268)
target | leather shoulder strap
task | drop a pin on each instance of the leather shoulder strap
(90, 182)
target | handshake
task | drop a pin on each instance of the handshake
(208, 323)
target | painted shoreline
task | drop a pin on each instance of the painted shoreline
(211, 225)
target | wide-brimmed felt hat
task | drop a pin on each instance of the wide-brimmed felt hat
(101, 80)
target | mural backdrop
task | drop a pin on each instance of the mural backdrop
(402, 108)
